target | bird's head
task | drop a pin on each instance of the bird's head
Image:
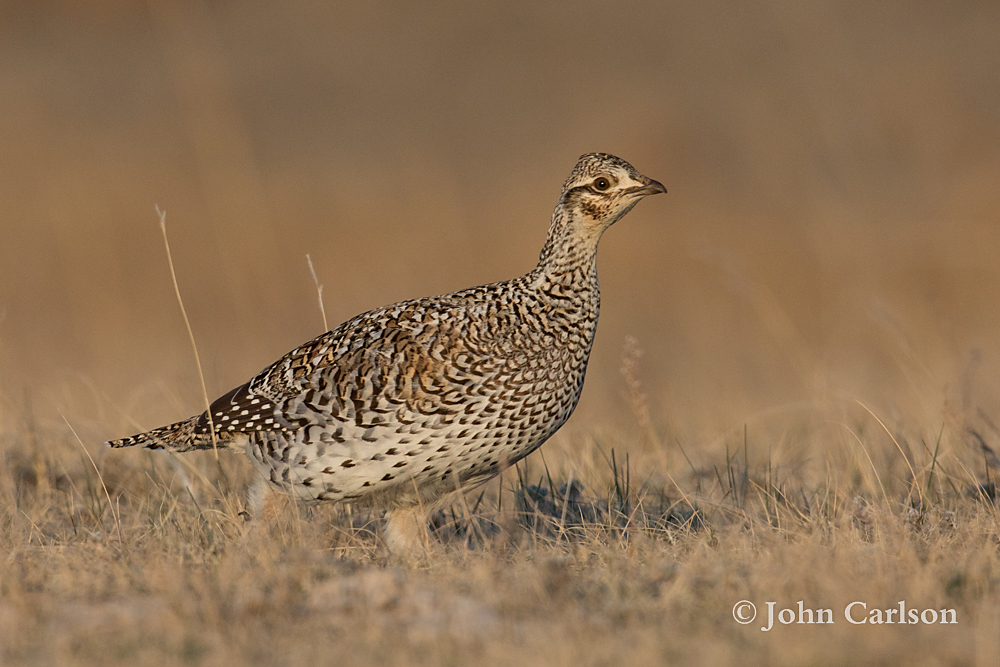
(602, 188)
(599, 191)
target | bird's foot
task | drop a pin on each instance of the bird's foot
(406, 535)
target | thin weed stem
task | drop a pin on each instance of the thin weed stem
(913, 475)
(319, 292)
(111, 505)
(187, 323)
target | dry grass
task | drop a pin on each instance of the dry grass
(793, 394)
(608, 567)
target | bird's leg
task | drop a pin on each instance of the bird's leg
(263, 501)
(406, 533)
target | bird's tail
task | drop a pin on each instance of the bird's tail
(180, 437)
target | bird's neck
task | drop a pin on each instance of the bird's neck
(566, 273)
(570, 248)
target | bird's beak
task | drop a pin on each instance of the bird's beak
(650, 188)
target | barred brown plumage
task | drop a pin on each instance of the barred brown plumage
(402, 405)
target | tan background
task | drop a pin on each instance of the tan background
(831, 229)
(831, 236)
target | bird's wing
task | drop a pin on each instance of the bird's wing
(400, 356)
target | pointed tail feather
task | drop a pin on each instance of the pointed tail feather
(179, 437)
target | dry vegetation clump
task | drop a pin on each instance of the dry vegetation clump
(146, 558)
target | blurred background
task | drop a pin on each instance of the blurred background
(831, 231)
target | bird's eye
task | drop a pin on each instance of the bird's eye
(602, 184)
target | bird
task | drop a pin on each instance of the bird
(403, 406)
